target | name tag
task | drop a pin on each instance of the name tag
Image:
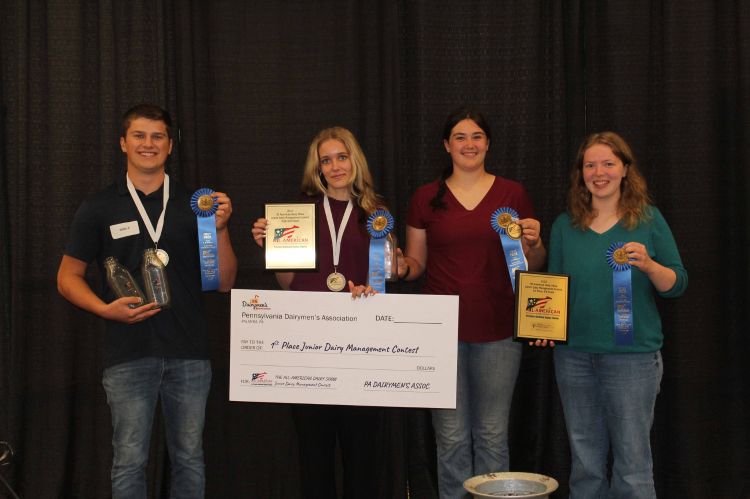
(124, 229)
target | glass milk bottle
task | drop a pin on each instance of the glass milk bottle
(155, 279)
(121, 281)
(391, 260)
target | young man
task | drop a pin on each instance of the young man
(150, 352)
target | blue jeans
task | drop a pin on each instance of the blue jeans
(132, 391)
(608, 401)
(473, 438)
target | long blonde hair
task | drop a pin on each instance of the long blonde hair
(634, 198)
(361, 188)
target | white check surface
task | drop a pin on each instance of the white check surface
(326, 348)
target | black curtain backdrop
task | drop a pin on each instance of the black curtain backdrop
(250, 83)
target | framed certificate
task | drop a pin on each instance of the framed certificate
(290, 236)
(541, 307)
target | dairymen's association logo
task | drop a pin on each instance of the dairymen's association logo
(533, 303)
(255, 303)
(284, 232)
(260, 378)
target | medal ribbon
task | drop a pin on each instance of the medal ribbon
(622, 294)
(336, 236)
(514, 257)
(378, 238)
(154, 233)
(208, 244)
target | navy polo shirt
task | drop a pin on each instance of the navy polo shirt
(176, 332)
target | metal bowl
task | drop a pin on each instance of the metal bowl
(510, 484)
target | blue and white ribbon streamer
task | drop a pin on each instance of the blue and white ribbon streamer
(622, 296)
(208, 251)
(514, 257)
(376, 273)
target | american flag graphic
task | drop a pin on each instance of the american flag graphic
(259, 376)
(284, 232)
(537, 302)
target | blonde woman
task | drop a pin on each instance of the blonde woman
(337, 179)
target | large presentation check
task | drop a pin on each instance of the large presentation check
(326, 348)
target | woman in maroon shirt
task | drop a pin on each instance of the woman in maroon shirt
(337, 179)
(449, 236)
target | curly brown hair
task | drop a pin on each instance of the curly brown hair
(634, 197)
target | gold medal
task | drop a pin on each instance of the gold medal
(620, 256)
(504, 219)
(205, 202)
(163, 256)
(379, 223)
(336, 281)
(514, 230)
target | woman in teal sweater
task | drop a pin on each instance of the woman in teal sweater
(619, 253)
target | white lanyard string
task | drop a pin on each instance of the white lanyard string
(154, 233)
(336, 238)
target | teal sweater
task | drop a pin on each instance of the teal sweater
(582, 256)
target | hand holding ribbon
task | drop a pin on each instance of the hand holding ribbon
(663, 278)
(531, 232)
(638, 256)
(223, 209)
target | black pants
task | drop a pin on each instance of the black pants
(356, 429)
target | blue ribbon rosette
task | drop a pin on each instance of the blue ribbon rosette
(502, 221)
(622, 294)
(379, 225)
(204, 206)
